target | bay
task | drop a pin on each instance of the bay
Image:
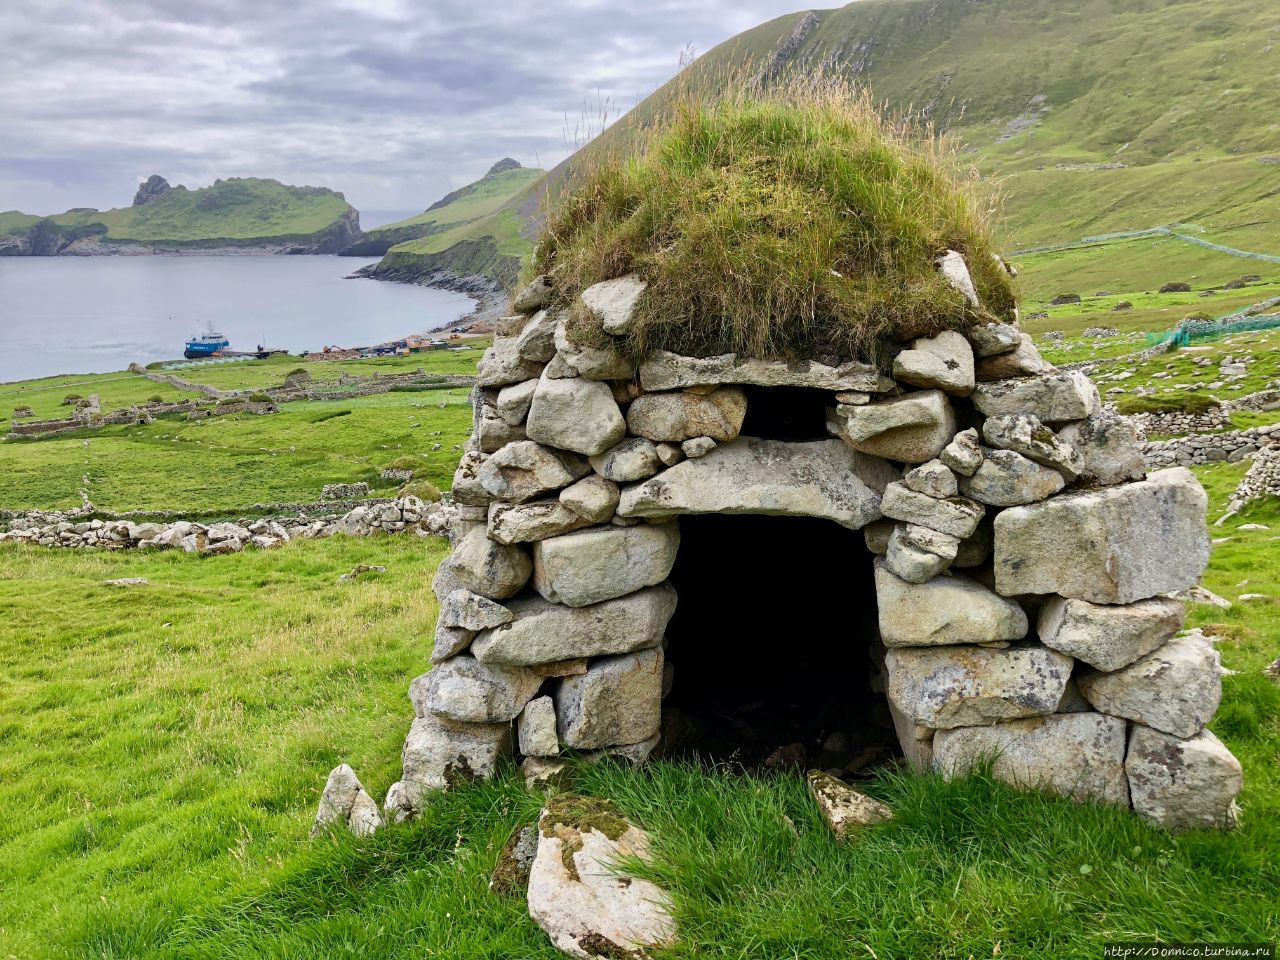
(99, 314)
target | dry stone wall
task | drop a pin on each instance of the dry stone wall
(1024, 557)
(1210, 448)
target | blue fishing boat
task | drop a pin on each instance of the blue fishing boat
(205, 345)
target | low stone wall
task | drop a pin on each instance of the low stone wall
(179, 383)
(53, 529)
(1263, 478)
(1209, 448)
(1177, 423)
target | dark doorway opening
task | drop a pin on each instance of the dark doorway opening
(786, 413)
(771, 646)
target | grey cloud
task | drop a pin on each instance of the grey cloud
(394, 102)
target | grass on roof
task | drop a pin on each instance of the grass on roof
(790, 222)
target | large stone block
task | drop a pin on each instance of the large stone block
(535, 520)
(1113, 545)
(955, 516)
(545, 632)
(1109, 448)
(944, 687)
(441, 753)
(593, 498)
(613, 302)
(493, 570)
(820, 479)
(591, 363)
(594, 565)
(1182, 783)
(1077, 754)
(502, 365)
(1026, 435)
(1109, 636)
(676, 417)
(523, 470)
(578, 415)
(634, 458)
(946, 610)
(913, 428)
(617, 701)
(918, 554)
(1175, 689)
(470, 611)
(662, 370)
(468, 691)
(1008, 479)
(1053, 397)
(1023, 360)
(942, 362)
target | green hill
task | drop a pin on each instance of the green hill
(1084, 119)
(245, 213)
(470, 239)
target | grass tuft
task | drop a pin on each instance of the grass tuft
(792, 221)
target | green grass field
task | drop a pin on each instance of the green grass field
(165, 748)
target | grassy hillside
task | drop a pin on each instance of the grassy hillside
(1086, 118)
(452, 220)
(236, 212)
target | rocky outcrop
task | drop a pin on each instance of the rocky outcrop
(153, 187)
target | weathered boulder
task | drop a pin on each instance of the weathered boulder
(513, 402)
(535, 520)
(1175, 689)
(1182, 783)
(1109, 448)
(946, 610)
(510, 875)
(584, 568)
(470, 611)
(468, 691)
(545, 632)
(819, 479)
(945, 687)
(676, 417)
(613, 302)
(578, 415)
(537, 729)
(918, 554)
(956, 516)
(577, 893)
(634, 458)
(1077, 754)
(662, 370)
(523, 470)
(591, 363)
(502, 365)
(345, 803)
(844, 809)
(450, 641)
(617, 701)
(1112, 545)
(942, 362)
(440, 753)
(913, 428)
(1026, 435)
(535, 296)
(467, 489)
(956, 272)
(1023, 361)
(1008, 479)
(1109, 636)
(934, 479)
(491, 569)
(993, 339)
(537, 341)
(493, 432)
(1052, 397)
(963, 455)
(593, 498)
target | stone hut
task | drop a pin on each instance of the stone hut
(965, 545)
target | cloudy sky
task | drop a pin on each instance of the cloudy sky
(393, 102)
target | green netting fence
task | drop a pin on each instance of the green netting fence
(1189, 331)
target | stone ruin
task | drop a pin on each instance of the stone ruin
(970, 547)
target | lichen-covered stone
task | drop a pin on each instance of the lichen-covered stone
(946, 610)
(1182, 783)
(913, 428)
(676, 417)
(524, 470)
(918, 554)
(1109, 636)
(670, 371)
(613, 302)
(957, 516)
(491, 569)
(468, 691)
(945, 687)
(1175, 689)
(634, 458)
(1112, 545)
(545, 632)
(844, 809)
(593, 498)
(1080, 755)
(1026, 435)
(943, 362)
(1008, 479)
(594, 565)
(537, 729)
(818, 479)
(532, 521)
(578, 415)
(470, 611)
(617, 701)
(1023, 360)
